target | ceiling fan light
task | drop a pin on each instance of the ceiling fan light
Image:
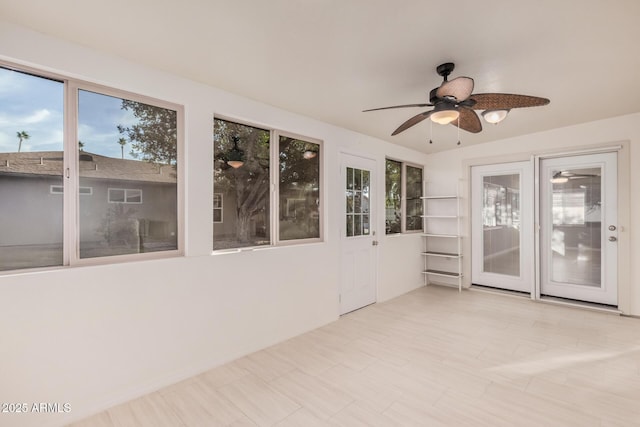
(494, 116)
(235, 163)
(444, 117)
(559, 180)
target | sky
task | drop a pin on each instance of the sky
(35, 105)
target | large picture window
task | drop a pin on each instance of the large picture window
(118, 148)
(244, 175)
(403, 192)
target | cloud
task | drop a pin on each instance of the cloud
(36, 117)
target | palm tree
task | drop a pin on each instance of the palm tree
(122, 143)
(22, 135)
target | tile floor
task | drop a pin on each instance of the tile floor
(432, 357)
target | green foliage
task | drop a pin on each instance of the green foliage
(154, 138)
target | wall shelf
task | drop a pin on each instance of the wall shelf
(441, 223)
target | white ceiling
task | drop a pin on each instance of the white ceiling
(330, 59)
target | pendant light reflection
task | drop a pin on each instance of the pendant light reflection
(235, 157)
(494, 116)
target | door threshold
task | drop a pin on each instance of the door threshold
(505, 292)
(593, 306)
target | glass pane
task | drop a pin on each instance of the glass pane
(357, 202)
(299, 189)
(357, 179)
(31, 165)
(413, 202)
(357, 225)
(365, 225)
(501, 224)
(393, 181)
(577, 226)
(241, 175)
(349, 179)
(127, 152)
(349, 225)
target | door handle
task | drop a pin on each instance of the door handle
(374, 243)
(613, 238)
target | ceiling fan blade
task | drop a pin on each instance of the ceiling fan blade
(399, 106)
(505, 101)
(468, 120)
(459, 88)
(412, 121)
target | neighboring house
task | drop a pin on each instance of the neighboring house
(125, 205)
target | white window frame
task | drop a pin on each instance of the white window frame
(71, 188)
(274, 179)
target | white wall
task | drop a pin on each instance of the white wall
(447, 167)
(96, 336)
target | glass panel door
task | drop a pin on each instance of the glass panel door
(502, 226)
(578, 221)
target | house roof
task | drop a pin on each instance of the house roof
(331, 59)
(91, 166)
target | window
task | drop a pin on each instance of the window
(358, 207)
(125, 195)
(299, 189)
(122, 147)
(59, 189)
(217, 207)
(245, 171)
(403, 203)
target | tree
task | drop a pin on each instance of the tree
(22, 136)
(250, 183)
(122, 143)
(154, 138)
(80, 145)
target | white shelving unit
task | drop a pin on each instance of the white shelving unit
(441, 225)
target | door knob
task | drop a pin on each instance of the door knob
(612, 228)
(612, 238)
(374, 243)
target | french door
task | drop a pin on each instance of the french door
(358, 286)
(578, 227)
(576, 206)
(502, 224)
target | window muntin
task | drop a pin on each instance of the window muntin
(403, 192)
(245, 187)
(299, 189)
(126, 148)
(31, 164)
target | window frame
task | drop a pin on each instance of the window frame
(125, 194)
(274, 187)
(403, 196)
(71, 169)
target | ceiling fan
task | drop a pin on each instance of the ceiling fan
(454, 103)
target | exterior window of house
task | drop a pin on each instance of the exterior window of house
(125, 195)
(403, 203)
(246, 167)
(217, 208)
(115, 147)
(31, 129)
(59, 189)
(127, 147)
(241, 172)
(299, 189)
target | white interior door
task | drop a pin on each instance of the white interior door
(358, 261)
(502, 226)
(578, 228)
